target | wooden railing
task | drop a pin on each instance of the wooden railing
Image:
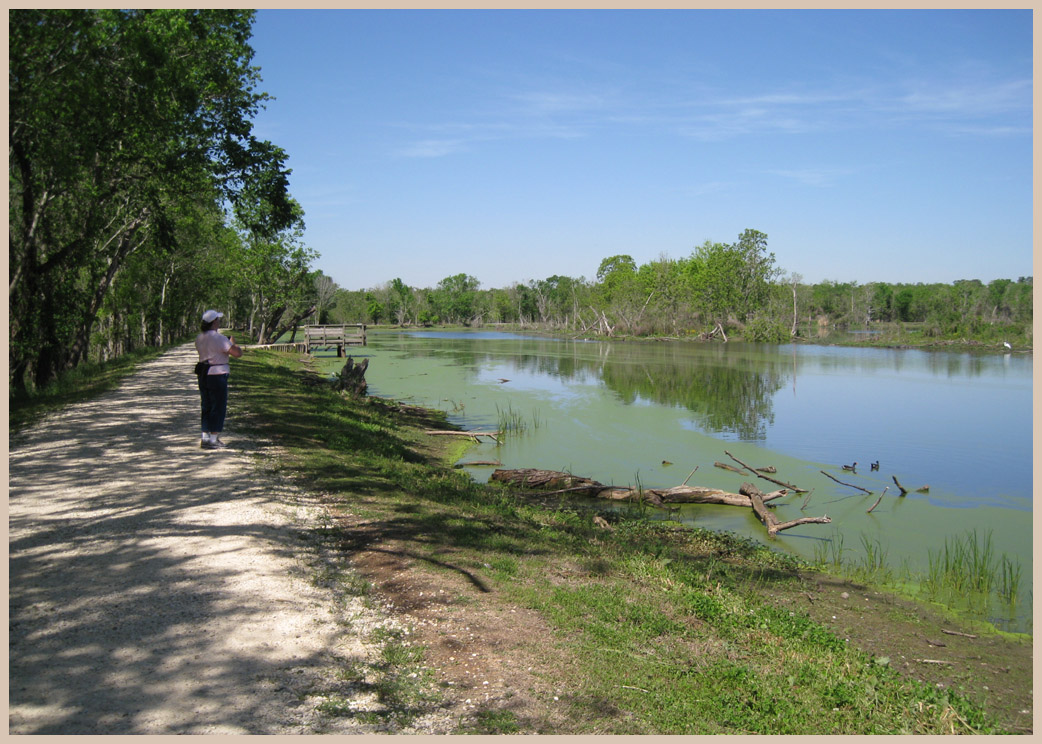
(330, 336)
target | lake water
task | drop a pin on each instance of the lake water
(649, 413)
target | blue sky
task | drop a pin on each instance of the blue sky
(515, 145)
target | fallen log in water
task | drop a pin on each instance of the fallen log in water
(471, 434)
(478, 463)
(748, 496)
(545, 479)
(566, 482)
(770, 521)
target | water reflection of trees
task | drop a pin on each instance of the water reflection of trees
(727, 392)
(931, 363)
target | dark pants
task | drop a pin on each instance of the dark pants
(213, 389)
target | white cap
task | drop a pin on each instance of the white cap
(211, 315)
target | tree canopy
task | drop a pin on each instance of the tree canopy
(131, 144)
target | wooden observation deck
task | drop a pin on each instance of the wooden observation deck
(334, 336)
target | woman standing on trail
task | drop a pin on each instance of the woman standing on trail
(214, 349)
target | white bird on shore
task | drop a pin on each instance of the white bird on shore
(1006, 344)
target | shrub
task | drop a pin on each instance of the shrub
(765, 330)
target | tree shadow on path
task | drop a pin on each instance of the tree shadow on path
(150, 580)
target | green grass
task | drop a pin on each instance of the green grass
(966, 572)
(658, 629)
(514, 422)
(964, 576)
(495, 722)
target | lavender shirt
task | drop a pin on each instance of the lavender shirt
(214, 346)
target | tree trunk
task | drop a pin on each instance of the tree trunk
(352, 377)
(162, 304)
(293, 322)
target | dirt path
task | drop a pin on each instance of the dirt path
(157, 588)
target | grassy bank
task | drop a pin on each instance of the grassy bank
(623, 628)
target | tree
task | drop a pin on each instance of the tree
(403, 301)
(663, 281)
(325, 296)
(116, 117)
(454, 297)
(274, 268)
(619, 298)
(616, 269)
(732, 281)
(882, 302)
(349, 307)
(374, 308)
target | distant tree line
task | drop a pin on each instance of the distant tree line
(736, 286)
(139, 194)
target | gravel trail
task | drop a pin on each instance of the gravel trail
(158, 588)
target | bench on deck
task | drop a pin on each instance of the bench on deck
(334, 336)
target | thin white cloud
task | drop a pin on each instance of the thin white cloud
(974, 106)
(541, 103)
(710, 187)
(815, 177)
(528, 115)
(995, 131)
(747, 121)
(974, 100)
(432, 148)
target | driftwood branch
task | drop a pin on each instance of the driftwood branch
(753, 470)
(470, 434)
(725, 466)
(851, 485)
(921, 489)
(879, 499)
(478, 463)
(770, 521)
(733, 469)
(717, 330)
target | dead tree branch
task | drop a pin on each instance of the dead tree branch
(753, 470)
(851, 485)
(770, 521)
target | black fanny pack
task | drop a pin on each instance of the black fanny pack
(201, 368)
